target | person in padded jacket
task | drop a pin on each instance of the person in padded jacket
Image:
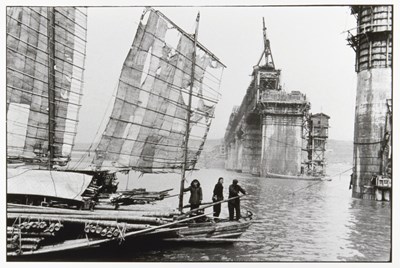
(218, 196)
(234, 205)
(196, 194)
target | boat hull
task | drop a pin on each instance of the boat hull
(294, 177)
(207, 231)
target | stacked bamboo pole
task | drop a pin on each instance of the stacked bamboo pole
(34, 223)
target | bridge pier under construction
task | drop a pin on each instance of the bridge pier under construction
(272, 132)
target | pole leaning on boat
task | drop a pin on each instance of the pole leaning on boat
(51, 81)
(187, 130)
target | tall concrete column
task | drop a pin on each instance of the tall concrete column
(373, 46)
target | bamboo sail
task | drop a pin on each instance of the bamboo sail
(46, 50)
(147, 127)
(29, 79)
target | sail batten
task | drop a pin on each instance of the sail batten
(188, 73)
(28, 79)
(147, 126)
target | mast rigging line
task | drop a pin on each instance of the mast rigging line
(45, 83)
(44, 97)
(308, 186)
(58, 10)
(183, 71)
(62, 73)
(205, 70)
(45, 65)
(65, 29)
(172, 86)
(37, 126)
(161, 144)
(162, 113)
(177, 104)
(211, 99)
(154, 159)
(33, 92)
(57, 116)
(40, 138)
(82, 16)
(150, 127)
(43, 112)
(82, 54)
(142, 169)
(79, 45)
(55, 75)
(187, 35)
(97, 138)
(78, 17)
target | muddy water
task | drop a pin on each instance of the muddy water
(294, 221)
(321, 222)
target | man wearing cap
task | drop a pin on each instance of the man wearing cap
(234, 204)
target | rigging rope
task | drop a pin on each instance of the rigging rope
(87, 153)
(308, 186)
(156, 37)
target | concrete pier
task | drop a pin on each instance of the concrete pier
(282, 127)
(271, 132)
(372, 43)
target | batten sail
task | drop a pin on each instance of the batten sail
(146, 129)
(27, 79)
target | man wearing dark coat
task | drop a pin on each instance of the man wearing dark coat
(234, 205)
(218, 196)
(196, 194)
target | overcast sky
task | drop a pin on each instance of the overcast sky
(307, 45)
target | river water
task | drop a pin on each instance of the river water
(294, 221)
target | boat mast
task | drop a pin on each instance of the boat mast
(189, 112)
(51, 81)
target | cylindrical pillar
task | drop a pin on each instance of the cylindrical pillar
(373, 46)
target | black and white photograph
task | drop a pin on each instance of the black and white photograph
(199, 132)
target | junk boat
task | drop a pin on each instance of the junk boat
(162, 112)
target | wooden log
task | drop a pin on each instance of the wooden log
(56, 211)
(97, 217)
(208, 240)
(48, 210)
(102, 206)
(27, 240)
(24, 247)
(130, 226)
(169, 196)
(160, 214)
(32, 234)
